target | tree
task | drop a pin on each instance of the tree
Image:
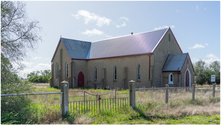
(203, 72)
(39, 76)
(200, 67)
(215, 68)
(18, 35)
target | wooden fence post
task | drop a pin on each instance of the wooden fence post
(64, 105)
(167, 93)
(193, 92)
(132, 93)
(214, 87)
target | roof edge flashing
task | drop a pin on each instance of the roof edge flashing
(160, 40)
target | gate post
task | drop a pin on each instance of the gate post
(193, 92)
(132, 93)
(214, 87)
(167, 93)
(64, 105)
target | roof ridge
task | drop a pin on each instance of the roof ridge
(75, 40)
(128, 35)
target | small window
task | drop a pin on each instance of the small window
(138, 72)
(171, 78)
(56, 71)
(169, 37)
(115, 73)
(66, 70)
(95, 73)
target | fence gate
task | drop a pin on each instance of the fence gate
(83, 101)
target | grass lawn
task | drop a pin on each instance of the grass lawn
(202, 111)
(131, 116)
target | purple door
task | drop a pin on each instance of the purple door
(187, 78)
(80, 79)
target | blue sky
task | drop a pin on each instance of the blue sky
(196, 25)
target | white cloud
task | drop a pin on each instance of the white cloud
(207, 44)
(88, 17)
(162, 27)
(118, 26)
(123, 19)
(36, 58)
(210, 58)
(39, 66)
(92, 32)
(177, 10)
(213, 57)
(196, 46)
(197, 7)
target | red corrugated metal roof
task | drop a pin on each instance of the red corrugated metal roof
(127, 45)
(135, 44)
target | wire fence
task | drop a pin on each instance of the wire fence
(205, 92)
(175, 94)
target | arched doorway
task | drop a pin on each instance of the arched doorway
(187, 78)
(80, 79)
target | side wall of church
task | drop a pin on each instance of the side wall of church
(127, 69)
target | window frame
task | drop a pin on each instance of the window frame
(56, 69)
(138, 73)
(169, 37)
(66, 70)
(171, 82)
(115, 73)
(95, 74)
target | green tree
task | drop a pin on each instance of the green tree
(39, 76)
(200, 68)
(215, 68)
(18, 35)
(203, 72)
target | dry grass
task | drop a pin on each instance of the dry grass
(151, 103)
(180, 103)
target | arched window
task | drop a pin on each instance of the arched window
(138, 72)
(66, 70)
(56, 71)
(115, 73)
(171, 78)
(95, 73)
(169, 37)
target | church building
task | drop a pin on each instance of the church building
(152, 59)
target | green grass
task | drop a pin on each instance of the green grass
(130, 116)
(37, 112)
(48, 89)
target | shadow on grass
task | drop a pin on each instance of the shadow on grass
(142, 115)
(69, 118)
